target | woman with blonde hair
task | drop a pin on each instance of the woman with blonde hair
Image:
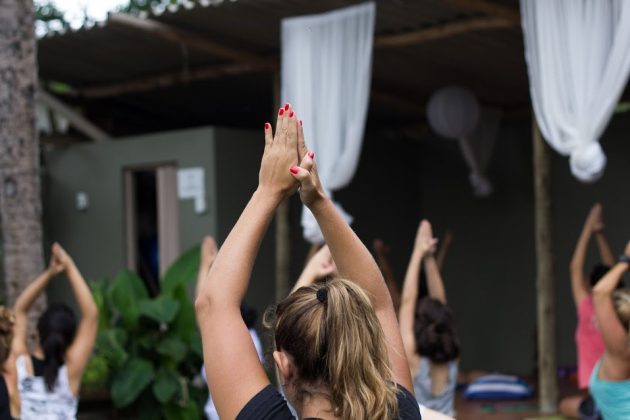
(337, 346)
(610, 380)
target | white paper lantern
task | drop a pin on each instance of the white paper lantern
(453, 112)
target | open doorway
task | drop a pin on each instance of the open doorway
(152, 222)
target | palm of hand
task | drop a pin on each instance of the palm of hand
(280, 154)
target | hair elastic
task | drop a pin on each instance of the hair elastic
(322, 295)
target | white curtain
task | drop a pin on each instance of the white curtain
(326, 70)
(578, 57)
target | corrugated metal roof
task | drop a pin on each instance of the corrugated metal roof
(488, 61)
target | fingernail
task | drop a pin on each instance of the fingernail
(286, 106)
(267, 126)
(311, 155)
(300, 123)
(291, 114)
(281, 111)
(294, 170)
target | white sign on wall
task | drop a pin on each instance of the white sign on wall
(191, 184)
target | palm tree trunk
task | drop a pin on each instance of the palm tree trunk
(20, 200)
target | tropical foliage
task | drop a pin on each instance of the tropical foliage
(148, 350)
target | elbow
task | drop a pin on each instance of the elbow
(203, 303)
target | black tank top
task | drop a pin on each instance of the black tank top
(5, 401)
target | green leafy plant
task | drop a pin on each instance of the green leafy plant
(148, 350)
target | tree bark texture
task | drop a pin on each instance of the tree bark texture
(20, 199)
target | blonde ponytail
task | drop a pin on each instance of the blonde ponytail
(336, 341)
(621, 300)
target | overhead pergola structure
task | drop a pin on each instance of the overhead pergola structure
(217, 62)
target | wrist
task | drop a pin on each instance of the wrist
(268, 196)
(319, 204)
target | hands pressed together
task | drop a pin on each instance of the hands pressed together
(59, 260)
(287, 164)
(425, 242)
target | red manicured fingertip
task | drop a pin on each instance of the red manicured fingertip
(294, 170)
(311, 155)
(267, 126)
(286, 106)
(291, 114)
(281, 111)
(300, 123)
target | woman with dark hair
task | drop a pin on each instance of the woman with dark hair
(588, 339)
(428, 329)
(338, 349)
(49, 379)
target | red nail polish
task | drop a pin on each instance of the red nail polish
(281, 111)
(291, 114)
(267, 126)
(300, 123)
(311, 155)
(294, 170)
(286, 106)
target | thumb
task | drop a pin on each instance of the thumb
(301, 175)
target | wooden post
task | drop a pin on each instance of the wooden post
(283, 239)
(547, 373)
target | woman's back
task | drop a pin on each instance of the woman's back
(37, 402)
(435, 385)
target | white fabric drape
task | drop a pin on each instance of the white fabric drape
(578, 58)
(326, 71)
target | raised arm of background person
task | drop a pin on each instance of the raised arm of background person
(353, 261)
(576, 267)
(19, 344)
(207, 254)
(613, 332)
(80, 351)
(233, 369)
(435, 285)
(422, 244)
(380, 251)
(443, 249)
(605, 253)
(320, 265)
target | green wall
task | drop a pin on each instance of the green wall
(96, 237)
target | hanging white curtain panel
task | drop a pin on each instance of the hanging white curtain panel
(578, 58)
(326, 72)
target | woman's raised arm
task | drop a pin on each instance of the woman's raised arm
(578, 279)
(233, 369)
(613, 332)
(19, 344)
(411, 289)
(353, 260)
(80, 351)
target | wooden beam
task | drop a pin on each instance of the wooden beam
(181, 36)
(545, 287)
(77, 120)
(166, 80)
(436, 32)
(489, 8)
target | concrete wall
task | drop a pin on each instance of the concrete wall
(96, 237)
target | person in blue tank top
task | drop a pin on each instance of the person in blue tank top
(610, 380)
(428, 329)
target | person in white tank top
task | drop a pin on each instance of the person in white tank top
(49, 379)
(428, 330)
